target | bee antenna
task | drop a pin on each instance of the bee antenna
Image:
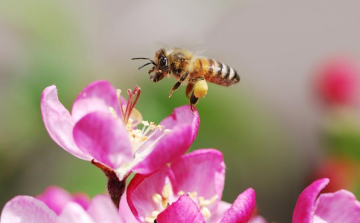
(144, 65)
(143, 58)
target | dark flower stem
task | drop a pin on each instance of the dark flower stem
(115, 187)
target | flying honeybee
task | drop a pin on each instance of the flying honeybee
(190, 70)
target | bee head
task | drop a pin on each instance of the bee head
(160, 63)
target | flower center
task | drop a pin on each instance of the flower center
(163, 201)
(132, 119)
(139, 131)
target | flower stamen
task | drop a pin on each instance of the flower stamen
(205, 212)
(132, 99)
(162, 199)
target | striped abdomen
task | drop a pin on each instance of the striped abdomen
(216, 72)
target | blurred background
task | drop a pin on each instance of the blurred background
(294, 116)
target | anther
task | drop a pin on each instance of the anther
(166, 191)
(113, 112)
(160, 127)
(149, 219)
(205, 212)
(156, 198)
(152, 126)
(155, 213)
(193, 195)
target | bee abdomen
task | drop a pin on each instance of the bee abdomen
(219, 73)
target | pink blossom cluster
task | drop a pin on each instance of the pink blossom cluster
(337, 82)
(167, 187)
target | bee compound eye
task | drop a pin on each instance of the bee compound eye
(163, 61)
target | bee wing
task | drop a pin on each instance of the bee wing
(195, 47)
(199, 51)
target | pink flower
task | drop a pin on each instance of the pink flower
(26, 209)
(186, 210)
(193, 186)
(106, 130)
(258, 219)
(338, 82)
(338, 207)
(57, 198)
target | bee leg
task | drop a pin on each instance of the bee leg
(189, 90)
(157, 77)
(177, 84)
(196, 79)
(193, 101)
(151, 70)
(200, 86)
(199, 89)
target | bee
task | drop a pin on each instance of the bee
(189, 70)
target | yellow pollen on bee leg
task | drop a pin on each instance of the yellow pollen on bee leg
(200, 89)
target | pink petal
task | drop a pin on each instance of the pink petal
(102, 209)
(183, 210)
(124, 211)
(82, 199)
(55, 198)
(305, 205)
(140, 192)
(25, 209)
(258, 219)
(242, 208)
(167, 149)
(202, 171)
(222, 208)
(59, 123)
(183, 115)
(184, 125)
(97, 96)
(104, 138)
(74, 213)
(338, 207)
